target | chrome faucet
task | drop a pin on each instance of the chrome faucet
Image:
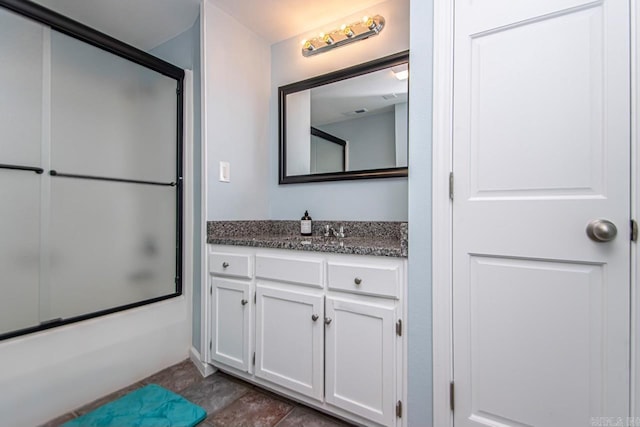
(328, 231)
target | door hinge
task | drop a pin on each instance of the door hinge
(255, 297)
(211, 290)
(254, 359)
(452, 404)
(451, 185)
(399, 327)
(634, 230)
(399, 409)
(210, 345)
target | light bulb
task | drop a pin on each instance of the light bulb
(347, 31)
(370, 23)
(308, 45)
(328, 39)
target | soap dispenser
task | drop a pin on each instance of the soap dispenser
(305, 224)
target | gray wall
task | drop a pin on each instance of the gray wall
(371, 140)
(420, 404)
(184, 51)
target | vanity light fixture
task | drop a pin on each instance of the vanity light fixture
(367, 27)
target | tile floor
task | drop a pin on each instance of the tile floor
(229, 402)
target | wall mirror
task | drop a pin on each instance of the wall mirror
(348, 124)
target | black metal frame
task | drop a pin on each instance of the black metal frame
(336, 76)
(100, 40)
(22, 168)
(332, 138)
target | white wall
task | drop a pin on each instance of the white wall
(236, 64)
(49, 373)
(380, 200)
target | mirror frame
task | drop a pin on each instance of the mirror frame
(336, 76)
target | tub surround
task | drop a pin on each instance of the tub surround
(377, 238)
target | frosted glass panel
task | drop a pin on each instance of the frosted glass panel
(110, 117)
(20, 90)
(19, 250)
(111, 244)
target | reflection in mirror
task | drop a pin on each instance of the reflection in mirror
(349, 124)
(328, 152)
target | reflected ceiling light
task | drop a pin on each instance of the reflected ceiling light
(369, 26)
(402, 75)
(401, 72)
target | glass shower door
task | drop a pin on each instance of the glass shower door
(21, 128)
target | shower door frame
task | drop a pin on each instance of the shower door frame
(69, 27)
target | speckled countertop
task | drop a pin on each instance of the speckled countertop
(375, 238)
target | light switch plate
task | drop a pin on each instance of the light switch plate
(225, 172)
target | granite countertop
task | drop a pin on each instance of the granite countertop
(362, 238)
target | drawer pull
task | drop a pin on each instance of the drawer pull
(314, 317)
(244, 302)
(327, 320)
(357, 280)
(225, 264)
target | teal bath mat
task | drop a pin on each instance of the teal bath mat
(149, 406)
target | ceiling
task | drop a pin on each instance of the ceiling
(277, 20)
(376, 92)
(142, 23)
(147, 23)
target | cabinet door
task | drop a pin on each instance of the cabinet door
(289, 340)
(360, 358)
(230, 314)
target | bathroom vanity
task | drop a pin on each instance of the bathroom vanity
(319, 320)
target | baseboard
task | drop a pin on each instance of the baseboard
(204, 368)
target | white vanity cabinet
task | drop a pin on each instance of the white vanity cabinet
(289, 340)
(321, 328)
(231, 297)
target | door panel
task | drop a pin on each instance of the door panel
(532, 323)
(537, 130)
(289, 342)
(230, 315)
(360, 362)
(540, 148)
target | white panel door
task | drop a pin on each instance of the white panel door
(359, 360)
(541, 148)
(289, 339)
(230, 314)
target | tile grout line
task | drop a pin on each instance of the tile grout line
(285, 416)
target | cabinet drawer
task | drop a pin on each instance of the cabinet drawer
(365, 279)
(295, 270)
(234, 265)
